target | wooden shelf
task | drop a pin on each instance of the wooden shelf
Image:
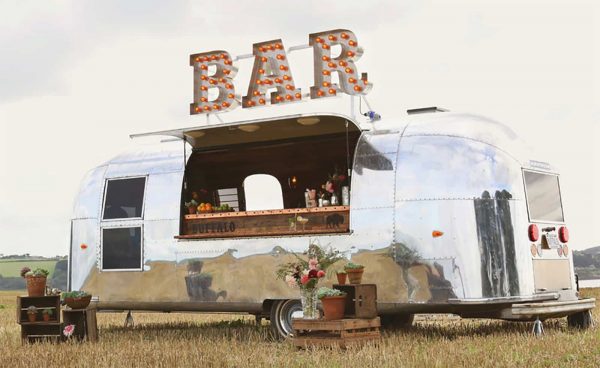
(41, 323)
(288, 211)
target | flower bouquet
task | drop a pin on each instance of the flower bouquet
(306, 273)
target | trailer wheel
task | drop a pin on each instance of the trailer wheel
(581, 320)
(282, 312)
(397, 321)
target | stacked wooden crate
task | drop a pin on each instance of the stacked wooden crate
(359, 325)
(39, 330)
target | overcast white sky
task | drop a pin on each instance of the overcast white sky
(77, 77)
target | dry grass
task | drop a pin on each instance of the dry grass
(195, 340)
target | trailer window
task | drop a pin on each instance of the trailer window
(124, 198)
(543, 197)
(122, 248)
(262, 192)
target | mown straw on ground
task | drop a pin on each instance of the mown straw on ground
(201, 340)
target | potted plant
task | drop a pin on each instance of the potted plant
(192, 206)
(47, 313)
(341, 277)
(355, 272)
(76, 299)
(333, 301)
(32, 313)
(36, 280)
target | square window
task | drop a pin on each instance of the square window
(124, 198)
(122, 248)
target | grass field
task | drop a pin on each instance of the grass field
(196, 340)
(12, 268)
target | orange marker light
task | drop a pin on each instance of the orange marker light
(437, 233)
(83, 246)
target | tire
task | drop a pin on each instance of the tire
(581, 320)
(282, 312)
(397, 321)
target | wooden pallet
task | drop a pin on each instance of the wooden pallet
(341, 333)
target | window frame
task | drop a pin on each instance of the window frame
(128, 226)
(559, 196)
(103, 208)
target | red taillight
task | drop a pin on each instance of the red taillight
(534, 233)
(563, 234)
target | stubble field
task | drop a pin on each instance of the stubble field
(201, 340)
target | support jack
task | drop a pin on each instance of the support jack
(538, 327)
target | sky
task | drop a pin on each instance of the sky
(77, 77)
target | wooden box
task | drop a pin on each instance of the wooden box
(86, 327)
(39, 330)
(361, 300)
(341, 332)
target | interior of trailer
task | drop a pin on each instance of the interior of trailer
(265, 169)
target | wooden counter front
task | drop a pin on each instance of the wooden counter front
(294, 221)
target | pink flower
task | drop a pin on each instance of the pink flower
(291, 281)
(68, 331)
(312, 264)
(304, 279)
(321, 273)
(329, 187)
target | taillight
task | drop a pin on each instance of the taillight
(563, 234)
(534, 233)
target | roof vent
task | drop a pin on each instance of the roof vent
(426, 110)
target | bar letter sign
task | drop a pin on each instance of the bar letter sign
(272, 76)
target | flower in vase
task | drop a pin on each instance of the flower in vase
(304, 279)
(313, 274)
(329, 186)
(320, 273)
(291, 281)
(312, 264)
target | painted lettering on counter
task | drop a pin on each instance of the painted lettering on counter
(213, 227)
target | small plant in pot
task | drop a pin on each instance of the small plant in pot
(76, 299)
(47, 314)
(355, 272)
(333, 301)
(341, 277)
(32, 313)
(36, 280)
(192, 206)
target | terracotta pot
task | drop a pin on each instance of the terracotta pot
(355, 275)
(46, 317)
(78, 303)
(36, 285)
(333, 307)
(341, 278)
(31, 317)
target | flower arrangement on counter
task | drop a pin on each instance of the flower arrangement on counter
(333, 186)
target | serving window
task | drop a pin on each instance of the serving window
(296, 184)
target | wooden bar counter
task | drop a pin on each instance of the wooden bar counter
(294, 221)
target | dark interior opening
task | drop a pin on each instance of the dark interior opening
(310, 160)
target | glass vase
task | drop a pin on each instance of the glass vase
(308, 297)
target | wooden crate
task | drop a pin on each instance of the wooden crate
(341, 333)
(86, 327)
(361, 300)
(39, 330)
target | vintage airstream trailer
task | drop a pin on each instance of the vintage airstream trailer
(446, 212)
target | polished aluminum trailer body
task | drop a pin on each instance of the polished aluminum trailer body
(456, 176)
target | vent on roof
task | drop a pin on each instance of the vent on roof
(426, 110)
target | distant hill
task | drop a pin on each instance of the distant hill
(11, 265)
(587, 263)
